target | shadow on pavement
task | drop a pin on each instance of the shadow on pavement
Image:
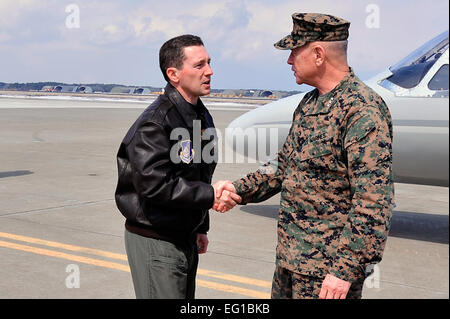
(15, 173)
(417, 226)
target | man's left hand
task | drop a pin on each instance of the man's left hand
(334, 288)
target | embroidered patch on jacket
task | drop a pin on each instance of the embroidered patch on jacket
(186, 153)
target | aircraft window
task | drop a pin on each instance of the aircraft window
(409, 76)
(410, 71)
(439, 82)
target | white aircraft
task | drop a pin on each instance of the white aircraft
(416, 92)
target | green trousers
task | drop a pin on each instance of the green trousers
(160, 269)
(290, 285)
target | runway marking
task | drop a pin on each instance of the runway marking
(240, 279)
(122, 267)
(54, 244)
(57, 254)
(232, 289)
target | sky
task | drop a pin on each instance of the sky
(94, 41)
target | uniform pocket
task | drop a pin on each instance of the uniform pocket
(315, 149)
(166, 254)
(318, 155)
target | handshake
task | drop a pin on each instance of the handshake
(225, 197)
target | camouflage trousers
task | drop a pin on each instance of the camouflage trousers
(289, 285)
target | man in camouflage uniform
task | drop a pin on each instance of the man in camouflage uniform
(334, 171)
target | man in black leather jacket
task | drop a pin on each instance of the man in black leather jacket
(165, 166)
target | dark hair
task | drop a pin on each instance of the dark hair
(171, 54)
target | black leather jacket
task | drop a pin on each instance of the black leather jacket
(160, 189)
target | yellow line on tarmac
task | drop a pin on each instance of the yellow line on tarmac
(122, 267)
(102, 253)
(57, 254)
(229, 277)
(233, 289)
(64, 246)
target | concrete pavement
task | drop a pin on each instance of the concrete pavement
(59, 223)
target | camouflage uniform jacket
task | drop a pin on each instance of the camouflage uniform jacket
(334, 172)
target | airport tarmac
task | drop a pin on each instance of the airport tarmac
(61, 235)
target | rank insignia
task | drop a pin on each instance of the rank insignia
(186, 153)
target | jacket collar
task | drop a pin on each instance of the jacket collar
(188, 111)
(325, 102)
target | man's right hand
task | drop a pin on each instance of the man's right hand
(225, 197)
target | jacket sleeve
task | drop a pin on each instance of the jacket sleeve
(266, 181)
(368, 144)
(204, 227)
(149, 154)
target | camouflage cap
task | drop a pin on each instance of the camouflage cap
(310, 27)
